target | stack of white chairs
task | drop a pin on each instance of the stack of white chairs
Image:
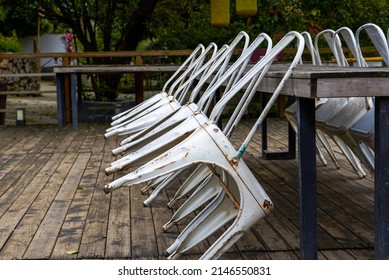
(291, 111)
(349, 122)
(155, 123)
(335, 117)
(222, 178)
(362, 131)
(353, 126)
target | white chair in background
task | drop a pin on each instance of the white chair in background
(332, 105)
(347, 110)
(363, 130)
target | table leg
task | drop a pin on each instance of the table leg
(381, 179)
(74, 100)
(291, 153)
(139, 90)
(60, 100)
(307, 178)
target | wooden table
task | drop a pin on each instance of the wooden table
(309, 82)
(67, 77)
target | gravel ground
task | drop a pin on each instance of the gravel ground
(39, 109)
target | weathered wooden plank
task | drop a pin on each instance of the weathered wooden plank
(94, 237)
(161, 215)
(65, 142)
(362, 254)
(271, 173)
(338, 212)
(343, 210)
(10, 162)
(144, 242)
(55, 141)
(29, 142)
(47, 133)
(76, 143)
(99, 143)
(4, 159)
(336, 255)
(115, 69)
(119, 226)
(87, 144)
(16, 142)
(19, 207)
(14, 182)
(283, 255)
(25, 231)
(70, 236)
(44, 240)
(255, 255)
(269, 236)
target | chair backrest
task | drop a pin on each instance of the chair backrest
(213, 69)
(351, 42)
(255, 75)
(238, 66)
(377, 37)
(311, 48)
(191, 60)
(335, 45)
(192, 68)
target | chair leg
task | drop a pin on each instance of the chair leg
(206, 191)
(214, 216)
(353, 160)
(200, 174)
(320, 154)
(153, 183)
(323, 139)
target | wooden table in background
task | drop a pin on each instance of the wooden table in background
(66, 80)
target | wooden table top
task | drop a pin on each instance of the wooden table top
(329, 81)
(114, 69)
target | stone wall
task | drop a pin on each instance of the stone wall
(19, 66)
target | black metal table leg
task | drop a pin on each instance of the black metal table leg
(73, 92)
(60, 100)
(381, 179)
(291, 152)
(307, 176)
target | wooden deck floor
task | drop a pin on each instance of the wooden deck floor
(52, 205)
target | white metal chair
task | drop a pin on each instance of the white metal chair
(139, 120)
(332, 105)
(291, 111)
(363, 130)
(347, 110)
(243, 200)
(190, 65)
(180, 124)
(359, 107)
(213, 68)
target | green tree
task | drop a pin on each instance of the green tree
(99, 25)
(119, 25)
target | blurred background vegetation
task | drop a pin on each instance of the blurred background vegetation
(127, 25)
(113, 25)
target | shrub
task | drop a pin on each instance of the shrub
(10, 44)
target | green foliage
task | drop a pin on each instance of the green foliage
(113, 25)
(10, 44)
